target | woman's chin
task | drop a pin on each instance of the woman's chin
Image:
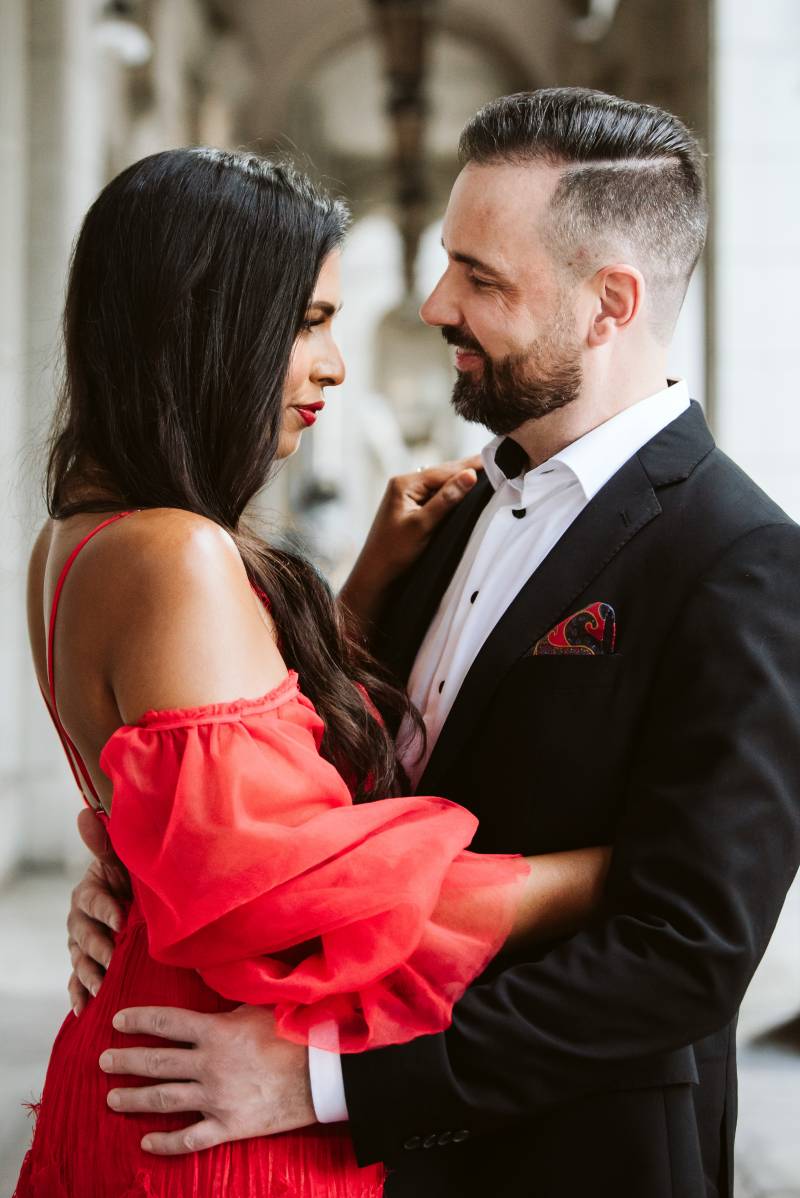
(288, 444)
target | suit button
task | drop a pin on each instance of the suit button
(461, 1135)
(429, 1141)
(412, 1143)
(445, 1138)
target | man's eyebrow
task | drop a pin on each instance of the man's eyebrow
(477, 264)
(327, 309)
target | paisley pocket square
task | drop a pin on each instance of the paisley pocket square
(591, 630)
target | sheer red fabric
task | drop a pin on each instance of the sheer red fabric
(384, 938)
(256, 879)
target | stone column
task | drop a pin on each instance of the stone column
(12, 337)
(65, 169)
(756, 239)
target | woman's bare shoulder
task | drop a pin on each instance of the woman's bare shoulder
(157, 552)
(182, 625)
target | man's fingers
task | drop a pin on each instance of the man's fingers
(172, 1063)
(206, 1134)
(173, 1023)
(164, 1099)
(78, 994)
(95, 837)
(88, 974)
(98, 904)
(104, 908)
(90, 937)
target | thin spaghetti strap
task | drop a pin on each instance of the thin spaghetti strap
(76, 762)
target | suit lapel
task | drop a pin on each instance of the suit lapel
(624, 506)
(415, 602)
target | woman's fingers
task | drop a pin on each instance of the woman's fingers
(430, 480)
(447, 496)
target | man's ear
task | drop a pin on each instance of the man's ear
(619, 295)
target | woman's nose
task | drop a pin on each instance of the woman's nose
(330, 371)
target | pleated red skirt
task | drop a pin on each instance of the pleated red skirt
(83, 1149)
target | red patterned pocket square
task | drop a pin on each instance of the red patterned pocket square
(591, 630)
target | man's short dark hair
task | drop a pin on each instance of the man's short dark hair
(632, 180)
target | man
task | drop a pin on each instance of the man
(604, 641)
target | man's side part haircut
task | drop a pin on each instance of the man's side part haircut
(632, 185)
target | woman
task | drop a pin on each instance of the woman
(198, 344)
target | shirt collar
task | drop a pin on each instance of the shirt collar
(595, 457)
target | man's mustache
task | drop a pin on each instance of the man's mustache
(461, 339)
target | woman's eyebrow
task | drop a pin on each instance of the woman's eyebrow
(326, 308)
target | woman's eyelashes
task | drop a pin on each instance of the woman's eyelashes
(311, 323)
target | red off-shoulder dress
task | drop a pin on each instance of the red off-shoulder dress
(257, 880)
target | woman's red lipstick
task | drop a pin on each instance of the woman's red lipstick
(308, 412)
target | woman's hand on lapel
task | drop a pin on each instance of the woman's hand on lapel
(412, 507)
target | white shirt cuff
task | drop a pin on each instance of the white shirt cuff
(327, 1083)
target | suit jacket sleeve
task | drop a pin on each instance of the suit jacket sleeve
(706, 847)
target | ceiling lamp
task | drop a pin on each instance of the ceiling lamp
(118, 32)
(596, 21)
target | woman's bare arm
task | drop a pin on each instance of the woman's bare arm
(561, 891)
(214, 647)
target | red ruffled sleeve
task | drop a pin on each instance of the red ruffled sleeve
(252, 865)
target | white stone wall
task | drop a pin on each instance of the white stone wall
(65, 139)
(66, 124)
(756, 239)
(13, 128)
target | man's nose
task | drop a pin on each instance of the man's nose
(440, 307)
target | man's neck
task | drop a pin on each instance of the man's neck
(548, 435)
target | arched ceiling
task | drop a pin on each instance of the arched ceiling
(303, 39)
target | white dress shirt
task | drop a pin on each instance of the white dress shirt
(503, 552)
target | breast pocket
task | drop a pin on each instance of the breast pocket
(568, 671)
(549, 753)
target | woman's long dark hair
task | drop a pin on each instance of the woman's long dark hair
(189, 284)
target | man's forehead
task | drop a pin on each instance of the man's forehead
(495, 211)
(504, 187)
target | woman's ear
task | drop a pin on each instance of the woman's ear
(619, 294)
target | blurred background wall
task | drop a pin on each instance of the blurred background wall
(371, 95)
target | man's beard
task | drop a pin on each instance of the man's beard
(520, 387)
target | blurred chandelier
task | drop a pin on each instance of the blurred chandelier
(404, 28)
(118, 32)
(595, 20)
(412, 365)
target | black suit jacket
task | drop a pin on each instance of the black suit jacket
(605, 1063)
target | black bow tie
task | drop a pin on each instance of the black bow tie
(510, 457)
